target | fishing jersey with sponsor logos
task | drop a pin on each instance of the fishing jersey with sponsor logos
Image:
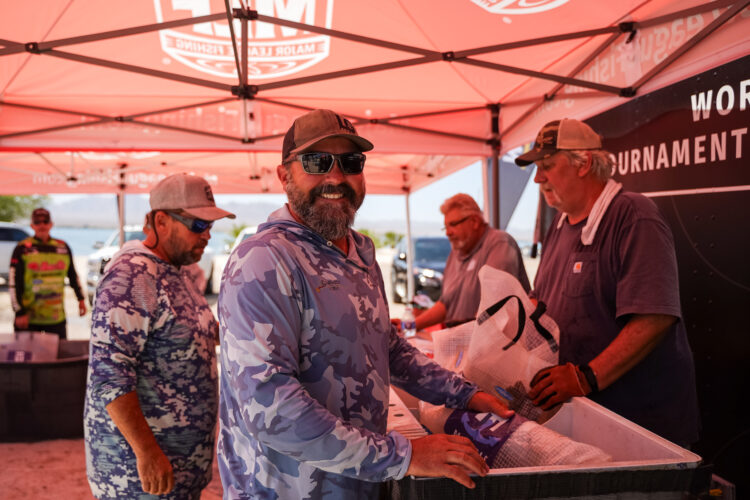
(37, 280)
(307, 353)
(153, 333)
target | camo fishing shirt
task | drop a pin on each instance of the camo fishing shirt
(307, 352)
(153, 333)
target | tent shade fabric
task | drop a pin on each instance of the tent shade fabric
(164, 86)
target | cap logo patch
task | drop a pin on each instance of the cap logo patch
(209, 194)
(346, 124)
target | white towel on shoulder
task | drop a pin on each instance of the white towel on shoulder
(597, 211)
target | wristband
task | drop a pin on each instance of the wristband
(590, 377)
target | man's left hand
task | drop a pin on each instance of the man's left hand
(82, 307)
(482, 402)
(554, 385)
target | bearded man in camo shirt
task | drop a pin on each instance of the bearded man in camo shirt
(308, 350)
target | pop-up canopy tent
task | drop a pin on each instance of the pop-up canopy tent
(111, 96)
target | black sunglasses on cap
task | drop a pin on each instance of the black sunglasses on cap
(322, 163)
(194, 225)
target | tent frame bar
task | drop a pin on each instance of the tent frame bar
(558, 87)
(137, 69)
(693, 41)
(348, 36)
(105, 35)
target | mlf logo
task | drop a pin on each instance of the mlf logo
(273, 51)
(510, 7)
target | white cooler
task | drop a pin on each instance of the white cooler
(644, 466)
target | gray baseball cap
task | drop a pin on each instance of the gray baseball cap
(190, 194)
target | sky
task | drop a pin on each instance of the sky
(424, 203)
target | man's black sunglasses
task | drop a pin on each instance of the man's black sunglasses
(195, 225)
(322, 163)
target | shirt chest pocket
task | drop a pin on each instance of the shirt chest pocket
(580, 275)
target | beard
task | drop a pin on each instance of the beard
(178, 251)
(331, 221)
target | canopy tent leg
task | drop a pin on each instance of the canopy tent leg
(409, 255)
(121, 203)
(121, 216)
(494, 193)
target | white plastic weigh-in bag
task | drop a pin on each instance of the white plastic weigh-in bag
(512, 340)
(493, 351)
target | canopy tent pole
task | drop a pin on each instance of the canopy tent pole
(409, 254)
(121, 216)
(494, 192)
(121, 204)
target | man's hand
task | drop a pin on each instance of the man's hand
(441, 455)
(155, 471)
(555, 385)
(82, 308)
(482, 402)
(22, 322)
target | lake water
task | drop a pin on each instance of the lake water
(81, 239)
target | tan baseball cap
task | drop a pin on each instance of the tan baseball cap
(315, 126)
(190, 194)
(560, 134)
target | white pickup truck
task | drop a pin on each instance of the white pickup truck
(10, 235)
(220, 261)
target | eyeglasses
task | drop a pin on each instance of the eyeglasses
(456, 222)
(40, 221)
(322, 163)
(194, 225)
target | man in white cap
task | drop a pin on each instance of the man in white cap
(151, 399)
(608, 275)
(308, 350)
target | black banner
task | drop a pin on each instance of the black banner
(690, 135)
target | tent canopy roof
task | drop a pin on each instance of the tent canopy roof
(95, 95)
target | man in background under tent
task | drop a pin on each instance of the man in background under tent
(608, 275)
(38, 268)
(473, 245)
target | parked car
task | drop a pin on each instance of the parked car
(106, 250)
(220, 261)
(10, 235)
(430, 254)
